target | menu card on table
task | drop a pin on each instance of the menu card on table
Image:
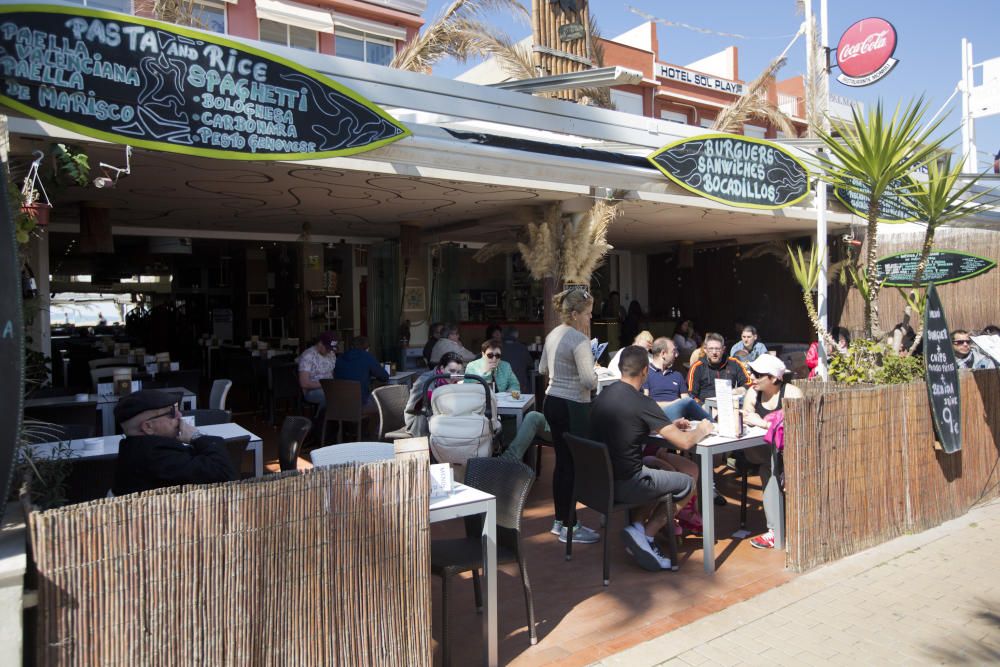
(728, 422)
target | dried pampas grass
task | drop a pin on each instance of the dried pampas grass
(542, 251)
(587, 245)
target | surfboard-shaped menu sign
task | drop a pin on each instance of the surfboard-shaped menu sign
(891, 207)
(943, 266)
(734, 170)
(941, 375)
(164, 87)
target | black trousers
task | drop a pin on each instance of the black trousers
(564, 416)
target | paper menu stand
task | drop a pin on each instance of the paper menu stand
(442, 480)
(728, 422)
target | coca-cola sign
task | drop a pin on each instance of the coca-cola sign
(864, 54)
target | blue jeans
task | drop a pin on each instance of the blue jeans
(315, 396)
(687, 408)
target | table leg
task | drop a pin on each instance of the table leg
(490, 572)
(707, 511)
(107, 419)
(257, 447)
(190, 402)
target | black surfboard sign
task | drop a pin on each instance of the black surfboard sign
(943, 266)
(739, 171)
(941, 374)
(155, 85)
(892, 209)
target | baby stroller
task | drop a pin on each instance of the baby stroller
(462, 421)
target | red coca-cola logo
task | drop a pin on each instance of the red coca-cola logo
(865, 47)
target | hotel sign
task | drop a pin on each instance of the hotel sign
(159, 86)
(693, 78)
(734, 170)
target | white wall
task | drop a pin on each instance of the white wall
(721, 64)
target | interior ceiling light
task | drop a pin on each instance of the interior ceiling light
(113, 173)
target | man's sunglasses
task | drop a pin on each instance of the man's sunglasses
(169, 413)
(962, 341)
(491, 355)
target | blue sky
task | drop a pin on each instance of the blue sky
(928, 44)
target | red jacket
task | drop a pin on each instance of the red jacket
(812, 358)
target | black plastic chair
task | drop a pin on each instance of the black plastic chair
(594, 486)
(391, 401)
(237, 448)
(208, 416)
(509, 482)
(284, 382)
(293, 432)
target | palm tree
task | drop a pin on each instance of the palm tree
(869, 154)
(461, 33)
(754, 104)
(939, 201)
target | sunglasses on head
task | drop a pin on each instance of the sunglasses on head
(492, 355)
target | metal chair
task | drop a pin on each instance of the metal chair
(352, 452)
(594, 486)
(293, 432)
(220, 391)
(237, 448)
(391, 401)
(343, 404)
(509, 482)
(208, 416)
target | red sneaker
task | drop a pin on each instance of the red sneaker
(763, 541)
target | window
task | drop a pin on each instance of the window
(675, 116)
(706, 122)
(627, 102)
(754, 131)
(209, 16)
(287, 35)
(364, 46)
(123, 6)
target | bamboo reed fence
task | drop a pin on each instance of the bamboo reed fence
(323, 568)
(861, 467)
(969, 304)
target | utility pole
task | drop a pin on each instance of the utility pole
(968, 124)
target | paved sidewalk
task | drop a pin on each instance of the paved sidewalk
(930, 598)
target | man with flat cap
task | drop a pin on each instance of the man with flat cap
(160, 449)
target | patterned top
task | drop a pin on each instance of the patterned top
(318, 366)
(506, 380)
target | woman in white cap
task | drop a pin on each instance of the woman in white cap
(768, 390)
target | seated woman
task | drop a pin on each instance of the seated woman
(768, 391)
(497, 373)
(839, 334)
(413, 415)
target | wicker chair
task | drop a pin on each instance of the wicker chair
(352, 452)
(293, 432)
(594, 486)
(391, 401)
(509, 482)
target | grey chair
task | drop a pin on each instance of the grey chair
(343, 404)
(391, 401)
(208, 416)
(220, 391)
(293, 432)
(509, 482)
(594, 486)
(352, 452)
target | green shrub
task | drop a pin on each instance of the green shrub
(871, 362)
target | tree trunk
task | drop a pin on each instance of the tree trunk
(871, 307)
(917, 277)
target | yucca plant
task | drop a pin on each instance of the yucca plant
(806, 269)
(877, 152)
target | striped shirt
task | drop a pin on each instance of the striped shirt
(569, 362)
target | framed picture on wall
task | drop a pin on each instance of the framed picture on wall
(413, 298)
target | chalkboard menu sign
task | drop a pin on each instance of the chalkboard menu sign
(11, 341)
(941, 373)
(891, 207)
(740, 171)
(159, 86)
(944, 266)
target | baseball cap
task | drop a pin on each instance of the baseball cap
(141, 401)
(768, 364)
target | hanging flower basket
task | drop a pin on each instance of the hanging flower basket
(38, 212)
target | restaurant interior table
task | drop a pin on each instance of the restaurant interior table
(515, 407)
(403, 377)
(466, 501)
(106, 447)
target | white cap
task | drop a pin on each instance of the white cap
(768, 364)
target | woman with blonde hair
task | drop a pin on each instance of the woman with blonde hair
(568, 362)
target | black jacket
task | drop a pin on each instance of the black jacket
(702, 377)
(152, 461)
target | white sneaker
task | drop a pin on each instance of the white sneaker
(581, 534)
(639, 548)
(665, 563)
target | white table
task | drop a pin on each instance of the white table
(516, 407)
(606, 379)
(403, 377)
(108, 448)
(707, 448)
(465, 501)
(106, 404)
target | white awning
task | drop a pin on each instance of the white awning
(370, 27)
(294, 13)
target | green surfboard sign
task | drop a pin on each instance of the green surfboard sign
(943, 266)
(739, 171)
(159, 86)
